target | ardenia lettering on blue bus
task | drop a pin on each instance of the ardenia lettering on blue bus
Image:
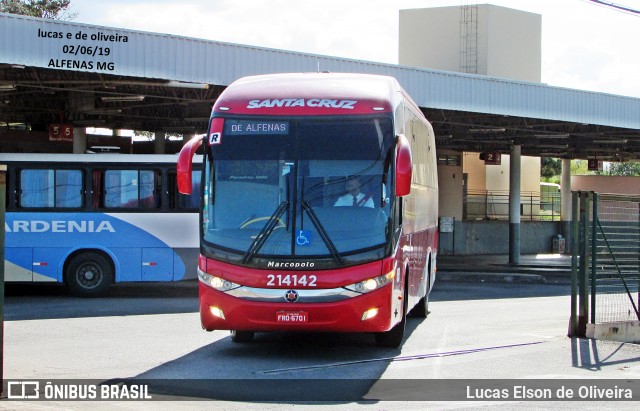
(39, 226)
(245, 127)
(301, 102)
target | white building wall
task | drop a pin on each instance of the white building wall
(508, 41)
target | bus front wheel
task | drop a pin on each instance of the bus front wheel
(89, 275)
(241, 336)
(393, 338)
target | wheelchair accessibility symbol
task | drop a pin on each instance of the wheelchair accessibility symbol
(303, 237)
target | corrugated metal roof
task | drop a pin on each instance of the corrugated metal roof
(24, 41)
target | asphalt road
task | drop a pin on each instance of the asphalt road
(151, 333)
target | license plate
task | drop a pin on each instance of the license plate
(292, 316)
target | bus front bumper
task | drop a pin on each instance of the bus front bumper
(375, 311)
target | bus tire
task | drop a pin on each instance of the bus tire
(421, 310)
(394, 337)
(89, 274)
(241, 336)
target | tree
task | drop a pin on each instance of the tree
(624, 169)
(580, 168)
(551, 167)
(48, 9)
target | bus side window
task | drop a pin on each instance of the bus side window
(36, 188)
(148, 189)
(49, 188)
(130, 189)
(69, 188)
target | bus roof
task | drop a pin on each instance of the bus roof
(309, 94)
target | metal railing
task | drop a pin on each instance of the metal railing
(605, 260)
(494, 205)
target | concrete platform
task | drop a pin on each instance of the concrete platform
(535, 268)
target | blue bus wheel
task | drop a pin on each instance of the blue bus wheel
(89, 274)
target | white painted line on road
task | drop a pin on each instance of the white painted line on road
(400, 358)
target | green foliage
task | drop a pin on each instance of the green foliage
(550, 167)
(48, 9)
(553, 179)
(624, 169)
(580, 168)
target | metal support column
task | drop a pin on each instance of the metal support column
(583, 272)
(514, 205)
(565, 204)
(573, 322)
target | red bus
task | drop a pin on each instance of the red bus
(283, 243)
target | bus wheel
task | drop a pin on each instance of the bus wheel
(393, 338)
(421, 310)
(241, 336)
(89, 275)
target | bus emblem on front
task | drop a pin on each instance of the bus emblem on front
(291, 296)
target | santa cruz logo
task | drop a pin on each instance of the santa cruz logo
(301, 102)
(291, 296)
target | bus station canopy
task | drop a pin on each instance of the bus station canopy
(94, 76)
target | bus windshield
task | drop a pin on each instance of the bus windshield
(299, 187)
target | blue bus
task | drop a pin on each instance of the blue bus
(91, 220)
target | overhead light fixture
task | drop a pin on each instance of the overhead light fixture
(105, 111)
(551, 135)
(178, 128)
(554, 154)
(107, 99)
(88, 123)
(487, 130)
(183, 84)
(612, 141)
(5, 87)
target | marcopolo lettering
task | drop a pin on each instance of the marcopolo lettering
(301, 102)
(39, 226)
(291, 264)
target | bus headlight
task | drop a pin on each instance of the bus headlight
(371, 284)
(216, 283)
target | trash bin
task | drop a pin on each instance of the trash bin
(557, 244)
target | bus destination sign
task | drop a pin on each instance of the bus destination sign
(246, 127)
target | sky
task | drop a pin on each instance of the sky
(584, 45)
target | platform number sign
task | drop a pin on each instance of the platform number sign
(61, 132)
(491, 158)
(594, 164)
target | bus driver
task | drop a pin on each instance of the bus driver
(355, 198)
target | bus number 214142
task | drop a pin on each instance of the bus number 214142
(291, 280)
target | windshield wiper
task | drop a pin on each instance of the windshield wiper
(323, 233)
(266, 231)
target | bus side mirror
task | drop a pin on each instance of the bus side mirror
(404, 166)
(185, 164)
